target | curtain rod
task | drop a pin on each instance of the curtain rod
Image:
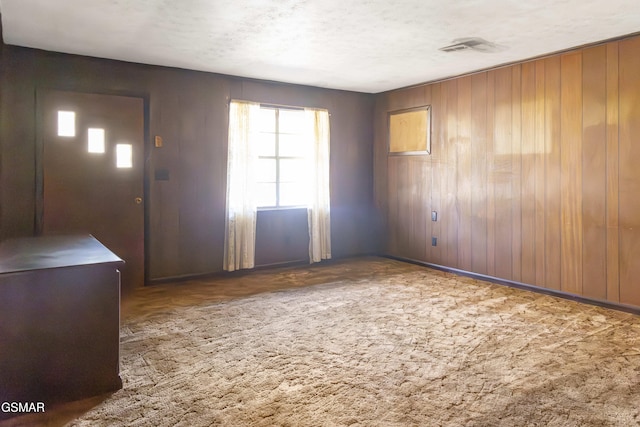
(271, 104)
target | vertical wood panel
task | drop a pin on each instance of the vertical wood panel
(478, 183)
(516, 167)
(403, 206)
(451, 213)
(463, 173)
(504, 142)
(629, 185)
(613, 266)
(414, 179)
(539, 160)
(404, 190)
(381, 171)
(571, 179)
(553, 148)
(197, 226)
(528, 184)
(594, 242)
(420, 205)
(427, 165)
(491, 175)
(164, 250)
(438, 176)
(392, 202)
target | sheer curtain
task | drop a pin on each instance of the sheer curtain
(240, 220)
(317, 125)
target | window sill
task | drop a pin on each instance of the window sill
(282, 208)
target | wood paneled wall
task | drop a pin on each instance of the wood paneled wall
(185, 214)
(533, 172)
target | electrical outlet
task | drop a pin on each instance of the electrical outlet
(434, 241)
(434, 216)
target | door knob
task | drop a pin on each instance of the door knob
(138, 200)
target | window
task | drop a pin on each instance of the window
(124, 156)
(282, 150)
(277, 157)
(95, 140)
(66, 123)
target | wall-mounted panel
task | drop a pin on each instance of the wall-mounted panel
(410, 131)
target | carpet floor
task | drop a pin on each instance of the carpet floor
(369, 342)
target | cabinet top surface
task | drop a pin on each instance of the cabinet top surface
(38, 253)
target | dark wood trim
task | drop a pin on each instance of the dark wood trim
(523, 286)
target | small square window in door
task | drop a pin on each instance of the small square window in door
(124, 156)
(66, 123)
(95, 138)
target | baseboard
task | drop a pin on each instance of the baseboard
(222, 273)
(524, 286)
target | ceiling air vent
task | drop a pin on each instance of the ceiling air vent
(471, 43)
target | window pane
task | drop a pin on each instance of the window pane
(292, 121)
(96, 140)
(292, 146)
(266, 144)
(293, 194)
(267, 120)
(124, 155)
(66, 123)
(292, 170)
(266, 196)
(266, 170)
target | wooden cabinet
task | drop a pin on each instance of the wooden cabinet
(59, 319)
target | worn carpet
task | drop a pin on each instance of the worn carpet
(392, 345)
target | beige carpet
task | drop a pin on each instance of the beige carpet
(401, 345)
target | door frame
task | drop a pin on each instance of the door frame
(38, 218)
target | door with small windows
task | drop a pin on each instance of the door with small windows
(92, 163)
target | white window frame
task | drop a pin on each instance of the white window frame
(277, 158)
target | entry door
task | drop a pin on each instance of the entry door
(92, 163)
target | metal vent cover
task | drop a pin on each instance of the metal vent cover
(472, 43)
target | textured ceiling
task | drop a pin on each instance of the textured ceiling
(367, 45)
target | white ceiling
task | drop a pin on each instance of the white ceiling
(366, 45)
